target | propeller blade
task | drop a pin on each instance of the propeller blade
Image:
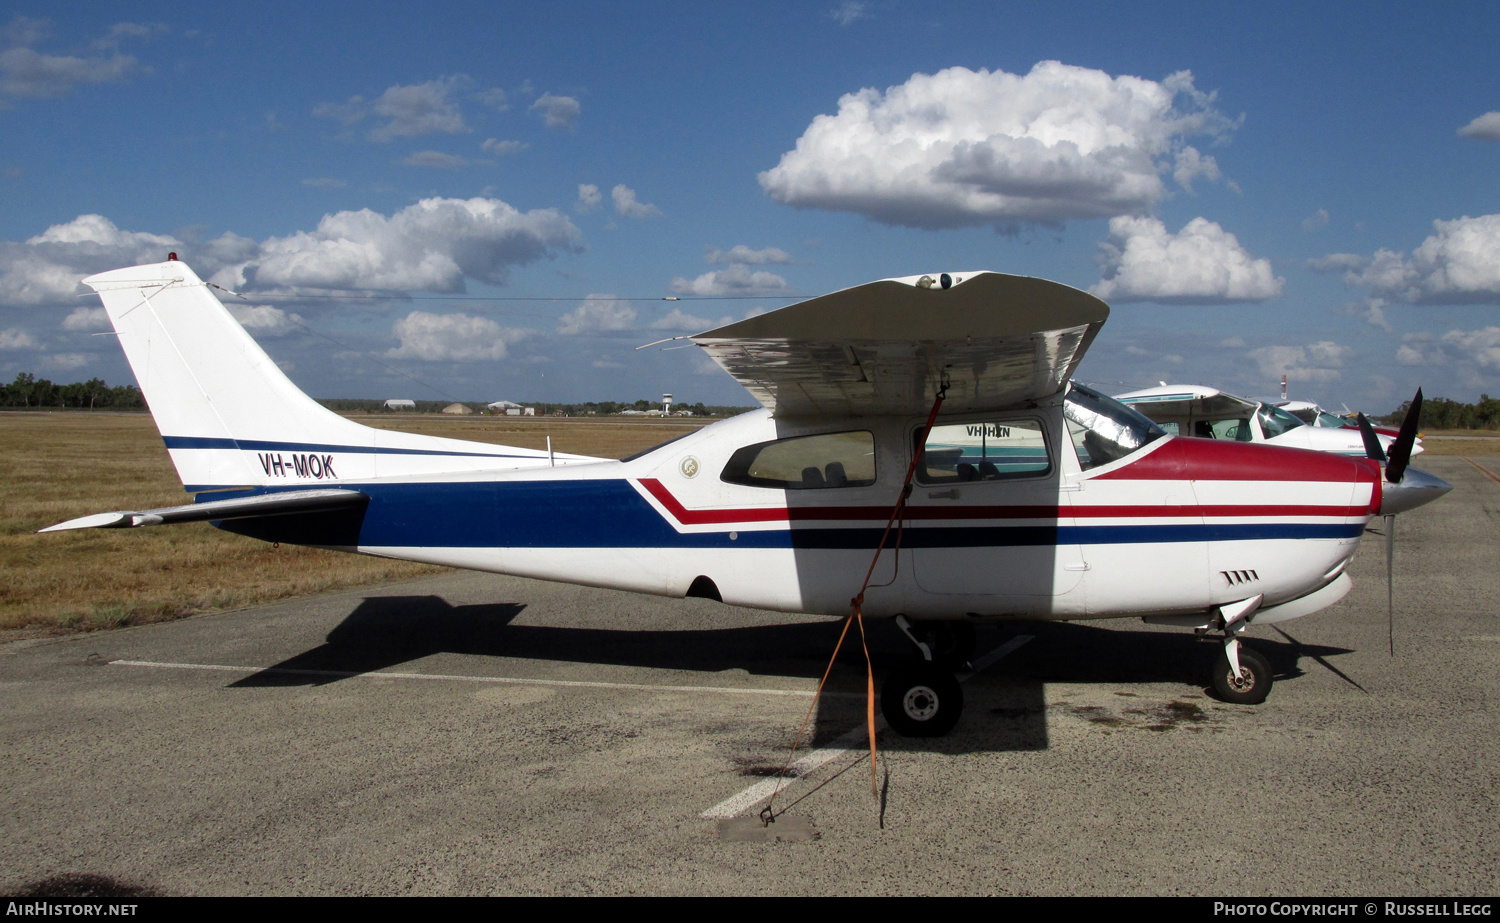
(1401, 448)
(1373, 451)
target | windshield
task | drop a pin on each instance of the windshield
(1103, 429)
(1274, 421)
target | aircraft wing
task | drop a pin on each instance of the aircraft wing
(884, 348)
(277, 504)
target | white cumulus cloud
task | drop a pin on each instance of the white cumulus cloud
(409, 111)
(452, 338)
(435, 159)
(1473, 347)
(963, 147)
(262, 319)
(628, 207)
(1460, 264)
(557, 111)
(68, 361)
(588, 197)
(1192, 164)
(433, 245)
(1484, 128)
(87, 319)
(850, 12)
(420, 109)
(679, 319)
(16, 339)
(47, 268)
(503, 148)
(1338, 262)
(1315, 362)
(736, 280)
(1201, 264)
(26, 72)
(597, 314)
(740, 253)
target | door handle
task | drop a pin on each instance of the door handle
(943, 494)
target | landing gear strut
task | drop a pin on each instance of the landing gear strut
(950, 643)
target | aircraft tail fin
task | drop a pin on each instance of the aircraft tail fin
(230, 417)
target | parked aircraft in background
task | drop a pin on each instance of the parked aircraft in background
(1029, 497)
(1198, 410)
(1313, 415)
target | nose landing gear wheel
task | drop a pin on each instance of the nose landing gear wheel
(921, 701)
(1252, 686)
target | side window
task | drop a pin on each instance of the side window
(1236, 428)
(805, 462)
(985, 450)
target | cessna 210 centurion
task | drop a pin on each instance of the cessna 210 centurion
(1029, 497)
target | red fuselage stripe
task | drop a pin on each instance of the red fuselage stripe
(1039, 511)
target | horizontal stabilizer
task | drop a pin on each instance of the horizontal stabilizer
(277, 504)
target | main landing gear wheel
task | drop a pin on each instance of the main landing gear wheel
(1252, 686)
(921, 701)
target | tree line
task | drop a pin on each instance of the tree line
(1441, 413)
(95, 394)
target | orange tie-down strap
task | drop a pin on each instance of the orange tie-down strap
(856, 615)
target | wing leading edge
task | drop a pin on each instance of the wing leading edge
(885, 347)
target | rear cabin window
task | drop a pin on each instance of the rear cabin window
(828, 460)
(984, 450)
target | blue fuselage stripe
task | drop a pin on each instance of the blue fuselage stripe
(612, 514)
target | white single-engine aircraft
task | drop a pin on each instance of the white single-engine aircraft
(1035, 498)
(1198, 410)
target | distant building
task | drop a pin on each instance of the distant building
(511, 409)
(400, 404)
(458, 408)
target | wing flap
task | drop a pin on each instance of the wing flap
(277, 504)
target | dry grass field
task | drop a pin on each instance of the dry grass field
(1460, 442)
(62, 465)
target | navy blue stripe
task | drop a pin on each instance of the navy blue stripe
(611, 514)
(249, 445)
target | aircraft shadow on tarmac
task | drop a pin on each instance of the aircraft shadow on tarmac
(1006, 705)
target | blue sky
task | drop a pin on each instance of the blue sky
(494, 199)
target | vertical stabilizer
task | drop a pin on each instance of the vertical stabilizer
(228, 414)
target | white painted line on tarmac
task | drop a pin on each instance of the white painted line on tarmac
(857, 739)
(764, 789)
(350, 674)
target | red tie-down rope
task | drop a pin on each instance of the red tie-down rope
(856, 616)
